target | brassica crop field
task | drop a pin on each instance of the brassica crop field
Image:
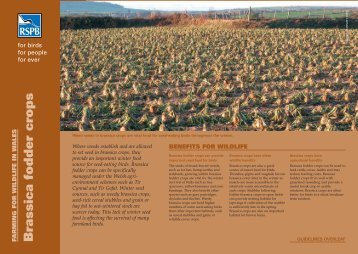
(209, 78)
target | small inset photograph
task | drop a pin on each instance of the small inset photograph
(209, 66)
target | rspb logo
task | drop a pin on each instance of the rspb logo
(29, 25)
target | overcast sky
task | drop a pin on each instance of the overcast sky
(219, 5)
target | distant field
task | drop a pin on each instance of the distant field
(88, 22)
(306, 14)
(280, 14)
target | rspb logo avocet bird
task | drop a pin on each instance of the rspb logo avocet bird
(29, 25)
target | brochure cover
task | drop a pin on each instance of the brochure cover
(179, 127)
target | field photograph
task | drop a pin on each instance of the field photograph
(209, 66)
